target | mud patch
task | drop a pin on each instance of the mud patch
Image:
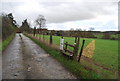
(89, 50)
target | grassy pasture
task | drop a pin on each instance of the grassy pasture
(105, 53)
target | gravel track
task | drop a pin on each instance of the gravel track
(23, 59)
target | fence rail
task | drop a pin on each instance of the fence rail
(66, 51)
(69, 45)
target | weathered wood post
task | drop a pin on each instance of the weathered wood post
(76, 44)
(34, 31)
(66, 46)
(51, 37)
(75, 39)
(80, 54)
(74, 53)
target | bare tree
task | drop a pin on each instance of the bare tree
(91, 29)
(78, 29)
(71, 32)
(71, 29)
(40, 21)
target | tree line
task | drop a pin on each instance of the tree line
(9, 25)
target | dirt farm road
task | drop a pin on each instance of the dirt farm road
(23, 59)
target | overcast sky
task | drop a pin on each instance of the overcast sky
(66, 14)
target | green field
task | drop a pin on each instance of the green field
(105, 53)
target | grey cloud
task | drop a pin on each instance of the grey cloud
(58, 12)
(76, 11)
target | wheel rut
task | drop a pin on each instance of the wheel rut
(31, 62)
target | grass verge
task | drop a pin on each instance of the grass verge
(6, 42)
(73, 66)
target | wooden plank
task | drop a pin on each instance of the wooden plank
(69, 51)
(66, 53)
(69, 45)
(69, 56)
(75, 52)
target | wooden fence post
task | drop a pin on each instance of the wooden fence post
(78, 42)
(75, 52)
(34, 31)
(77, 39)
(66, 46)
(81, 50)
(51, 38)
